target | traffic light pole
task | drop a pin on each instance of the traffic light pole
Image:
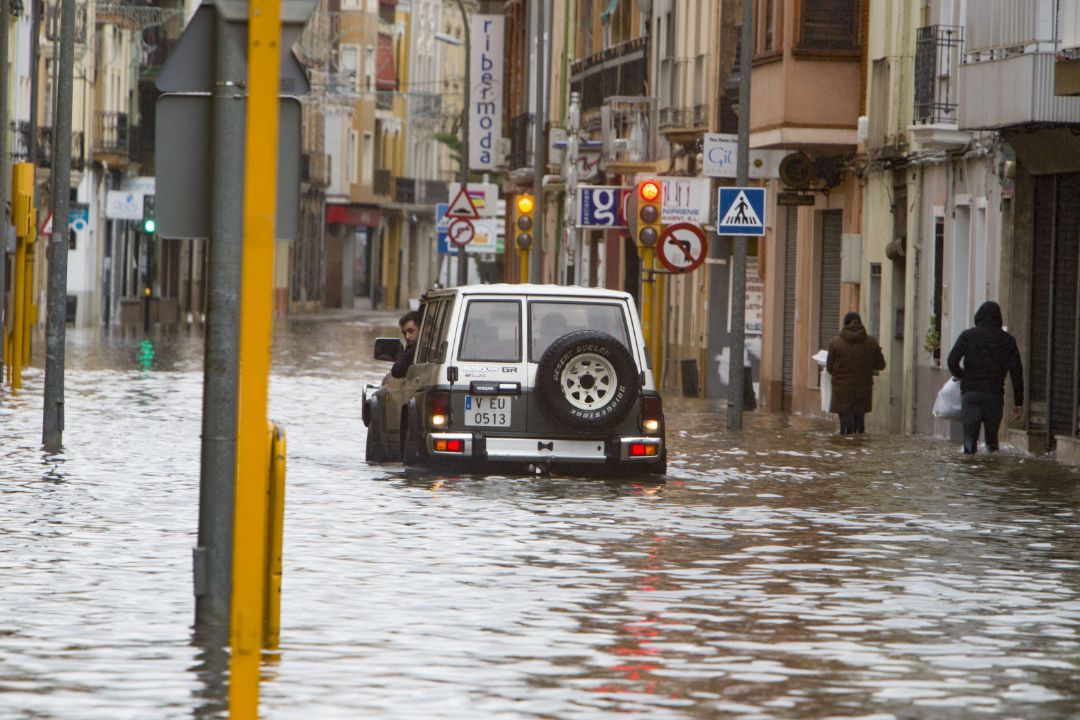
(52, 434)
(462, 258)
(538, 147)
(736, 385)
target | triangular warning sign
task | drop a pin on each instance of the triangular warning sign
(741, 213)
(463, 207)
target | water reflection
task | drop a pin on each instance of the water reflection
(786, 572)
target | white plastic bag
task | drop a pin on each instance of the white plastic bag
(821, 357)
(948, 403)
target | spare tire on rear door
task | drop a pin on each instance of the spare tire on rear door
(587, 380)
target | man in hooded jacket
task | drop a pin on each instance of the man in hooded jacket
(988, 354)
(854, 357)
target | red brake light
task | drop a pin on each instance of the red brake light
(455, 445)
(637, 449)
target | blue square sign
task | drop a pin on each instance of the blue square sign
(741, 211)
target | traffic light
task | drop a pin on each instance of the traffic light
(648, 213)
(526, 208)
(149, 225)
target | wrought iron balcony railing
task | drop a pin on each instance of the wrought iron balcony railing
(937, 57)
(383, 181)
(112, 133)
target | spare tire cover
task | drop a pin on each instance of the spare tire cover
(587, 380)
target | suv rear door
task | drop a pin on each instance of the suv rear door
(491, 370)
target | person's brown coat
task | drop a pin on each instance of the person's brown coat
(854, 357)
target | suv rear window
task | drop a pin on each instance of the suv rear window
(492, 331)
(549, 321)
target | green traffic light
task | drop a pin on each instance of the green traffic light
(149, 225)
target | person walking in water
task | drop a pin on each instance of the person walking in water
(981, 358)
(854, 358)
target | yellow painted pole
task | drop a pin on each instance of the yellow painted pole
(523, 266)
(647, 288)
(22, 196)
(272, 631)
(256, 314)
(659, 313)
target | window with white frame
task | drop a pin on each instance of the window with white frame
(350, 63)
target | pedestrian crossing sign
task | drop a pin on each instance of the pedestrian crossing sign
(741, 211)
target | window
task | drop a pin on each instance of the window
(549, 321)
(433, 334)
(350, 4)
(830, 25)
(492, 332)
(767, 30)
(350, 64)
(369, 68)
(368, 163)
(352, 157)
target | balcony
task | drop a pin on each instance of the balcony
(112, 134)
(425, 106)
(938, 49)
(415, 191)
(521, 141)
(384, 100)
(383, 182)
(628, 140)
(1008, 70)
(684, 120)
(52, 22)
(618, 70)
(21, 146)
(315, 169)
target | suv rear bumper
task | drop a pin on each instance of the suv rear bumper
(631, 449)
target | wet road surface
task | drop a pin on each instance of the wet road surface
(782, 573)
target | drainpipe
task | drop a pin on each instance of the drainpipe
(912, 255)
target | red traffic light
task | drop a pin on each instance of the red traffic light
(650, 190)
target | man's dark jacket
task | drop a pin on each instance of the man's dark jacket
(854, 356)
(988, 354)
(404, 361)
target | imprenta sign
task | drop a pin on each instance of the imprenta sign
(485, 96)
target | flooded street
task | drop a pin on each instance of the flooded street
(785, 572)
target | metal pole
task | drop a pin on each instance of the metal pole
(35, 44)
(213, 556)
(738, 271)
(52, 432)
(538, 148)
(5, 173)
(573, 125)
(462, 258)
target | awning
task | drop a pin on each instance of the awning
(386, 72)
(612, 6)
(352, 215)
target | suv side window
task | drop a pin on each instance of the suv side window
(492, 331)
(431, 335)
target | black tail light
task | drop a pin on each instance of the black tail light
(652, 414)
(438, 410)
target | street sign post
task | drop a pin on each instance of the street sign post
(741, 211)
(683, 247)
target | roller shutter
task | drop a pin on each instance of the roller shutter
(790, 257)
(832, 223)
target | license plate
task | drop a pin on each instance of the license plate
(487, 411)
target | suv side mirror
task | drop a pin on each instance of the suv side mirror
(388, 349)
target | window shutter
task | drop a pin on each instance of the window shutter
(830, 24)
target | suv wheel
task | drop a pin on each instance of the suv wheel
(373, 448)
(587, 380)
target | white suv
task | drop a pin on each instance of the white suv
(527, 374)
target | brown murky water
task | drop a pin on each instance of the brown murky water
(782, 573)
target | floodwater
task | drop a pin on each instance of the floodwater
(784, 572)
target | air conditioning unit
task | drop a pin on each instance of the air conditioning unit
(1069, 28)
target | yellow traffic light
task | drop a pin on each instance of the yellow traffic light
(648, 213)
(524, 223)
